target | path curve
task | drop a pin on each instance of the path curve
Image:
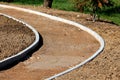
(94, 34)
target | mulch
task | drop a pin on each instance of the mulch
(14, 37)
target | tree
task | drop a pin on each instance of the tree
(94, 6)
(97, 6)
(80, 4)
(48, 3)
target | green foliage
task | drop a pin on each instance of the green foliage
(63, 5)
(107, 12)
(112, 13)
(58, 4)
(98, 7)
(80, 4)
(115, 18)
(90, 5)
(28, 2)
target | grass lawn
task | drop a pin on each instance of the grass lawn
(111, 14)
(57, 4)
(115, 18)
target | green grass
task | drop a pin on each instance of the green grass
(63, 5)
(57, 4)
(114, 18)
(29, 2)
(112, 14)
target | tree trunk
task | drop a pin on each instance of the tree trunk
(48, 3)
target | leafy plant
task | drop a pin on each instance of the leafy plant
(93, 6)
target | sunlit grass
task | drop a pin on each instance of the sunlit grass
(112, 14)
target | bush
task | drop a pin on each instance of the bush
(80, 5)
(93, 6)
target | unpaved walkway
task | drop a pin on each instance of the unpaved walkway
(63, 47)
(104, 67)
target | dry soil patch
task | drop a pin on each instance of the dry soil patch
(63, 46)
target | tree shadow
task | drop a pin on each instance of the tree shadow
(29, 54)
(112, 10)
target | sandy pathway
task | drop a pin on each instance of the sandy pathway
(63, 47)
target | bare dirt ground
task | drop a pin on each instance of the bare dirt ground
(14, 37)
(104, 67)
(63, 47)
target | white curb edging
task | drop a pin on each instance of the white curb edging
(94, 34)
(24, 52)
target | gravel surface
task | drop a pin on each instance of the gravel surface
(14, 37)
(106, 66)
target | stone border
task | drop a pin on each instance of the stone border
(24, 52)
(93, 33)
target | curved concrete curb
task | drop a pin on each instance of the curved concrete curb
(24, 52)
(94, 34)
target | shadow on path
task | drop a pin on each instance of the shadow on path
(29, 54)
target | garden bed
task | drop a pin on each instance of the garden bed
(14, 37)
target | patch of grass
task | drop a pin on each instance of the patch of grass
(115, 18)
(29, 2)
(109, 13)
(63, 5)
(57, 4)
(112, 13)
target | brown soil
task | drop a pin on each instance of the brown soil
(105, 67)
(63, 47)
(14, 37)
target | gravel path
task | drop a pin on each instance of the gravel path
(63, 47)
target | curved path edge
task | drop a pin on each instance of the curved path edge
(93, 33)
(24, 52)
